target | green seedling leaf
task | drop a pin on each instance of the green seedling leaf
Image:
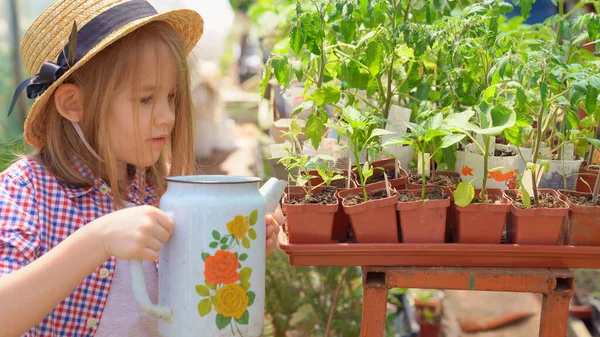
(464, 194)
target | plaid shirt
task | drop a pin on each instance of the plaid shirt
(36, 214)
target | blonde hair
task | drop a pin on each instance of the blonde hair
(99, 79)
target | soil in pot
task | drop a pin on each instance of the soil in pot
(444, 179)
(387, 166)
(582, 199)
(358, 199)
(378, 176)
(326, 197)
(310, 220)
(547, 200)
(430, 194)
(504, 152)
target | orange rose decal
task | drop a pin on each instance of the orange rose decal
(221, 268)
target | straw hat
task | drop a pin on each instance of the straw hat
(45, 46)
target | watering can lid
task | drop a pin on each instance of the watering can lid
(213, 179)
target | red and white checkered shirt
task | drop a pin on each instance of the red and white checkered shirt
(37, 213)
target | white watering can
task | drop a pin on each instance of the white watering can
(212, 269)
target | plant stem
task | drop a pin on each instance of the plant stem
(483, 194)
(334, 303)
(361, 176)
(578, 6)
(433, 156)
(310, 78)
(536, 149)
(407, 11)
(352, 59)
(409, 96)
(366, 101)
(561, 15)
(322, 59)
(596, 189)
(388, 102)
(555, 149)
(423, 179)
(591, 158)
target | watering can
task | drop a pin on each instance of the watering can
(212, 270)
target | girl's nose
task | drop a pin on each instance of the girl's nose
(165, 114)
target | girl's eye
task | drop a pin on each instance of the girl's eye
(146, 100)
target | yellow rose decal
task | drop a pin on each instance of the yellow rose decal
(231, 301)
(238, 227)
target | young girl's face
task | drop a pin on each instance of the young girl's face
(142, 114)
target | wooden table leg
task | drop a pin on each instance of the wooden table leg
(374, 304)
(555, 307)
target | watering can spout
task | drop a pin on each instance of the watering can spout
(272, 191)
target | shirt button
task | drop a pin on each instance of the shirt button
(104, 189)
(91, 322)
(104, 273)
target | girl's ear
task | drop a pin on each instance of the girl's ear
(68, 101)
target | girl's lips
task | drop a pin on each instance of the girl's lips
(159, 142)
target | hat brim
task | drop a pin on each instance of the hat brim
(187, 23)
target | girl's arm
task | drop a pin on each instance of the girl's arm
(32, 292)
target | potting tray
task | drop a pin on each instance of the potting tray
(440, 255)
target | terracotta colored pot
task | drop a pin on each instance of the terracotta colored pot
(584, 222)
(423, 222)
(341, 221)
(451, 215)
(589, 175)
(389, 164)
(539, 226)
(308, 223)
(482, 223)
(318, 180)
(429, 330)
(373, 221)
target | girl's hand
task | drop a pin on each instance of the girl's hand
(273, 228)
(136, 233)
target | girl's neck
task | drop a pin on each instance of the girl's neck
(123, 174)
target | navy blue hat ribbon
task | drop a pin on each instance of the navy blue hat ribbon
(81, 43)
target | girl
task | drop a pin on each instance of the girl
(112, 110)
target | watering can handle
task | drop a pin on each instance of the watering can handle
(138, 285)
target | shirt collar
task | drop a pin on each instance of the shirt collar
(133, 191)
